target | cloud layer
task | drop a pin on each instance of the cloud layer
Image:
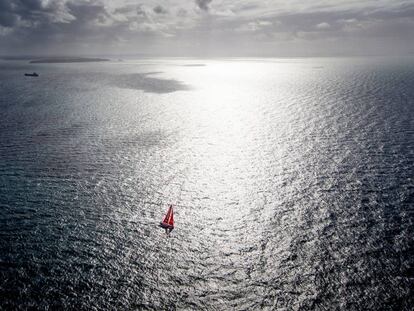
(206, 27)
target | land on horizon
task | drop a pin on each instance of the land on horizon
(45, 60)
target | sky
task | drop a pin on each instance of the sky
(207, 27)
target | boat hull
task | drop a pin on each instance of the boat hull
(166, 226)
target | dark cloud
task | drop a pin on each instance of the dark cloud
(125, 9)
(37, 13)
(203, 4)
(85, 12)
(141, 11)
(403, 11)
(12, 11)
(31, 4)
(182, 13)
(248, 7)
(58, 27)
(160, 10)
(5, 5)
(7, 19)
(135, 9)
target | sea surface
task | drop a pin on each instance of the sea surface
(292, 181)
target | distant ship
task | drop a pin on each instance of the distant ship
(34, 74)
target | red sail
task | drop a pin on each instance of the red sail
(168, 221)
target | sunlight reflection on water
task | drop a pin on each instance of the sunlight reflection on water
(291, 180)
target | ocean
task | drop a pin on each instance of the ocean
(291, 180)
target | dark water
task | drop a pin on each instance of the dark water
(292, 180)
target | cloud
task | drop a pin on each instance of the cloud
(7, 19)
(160, 10)
(85, 13)
(255, 26)
(323, 26)
(104, 26)
(203, 4)
(13, 11)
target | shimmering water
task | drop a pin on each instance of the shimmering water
(292, 180)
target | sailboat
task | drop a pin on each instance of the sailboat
(168, 222)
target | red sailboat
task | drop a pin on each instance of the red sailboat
(168, 221)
